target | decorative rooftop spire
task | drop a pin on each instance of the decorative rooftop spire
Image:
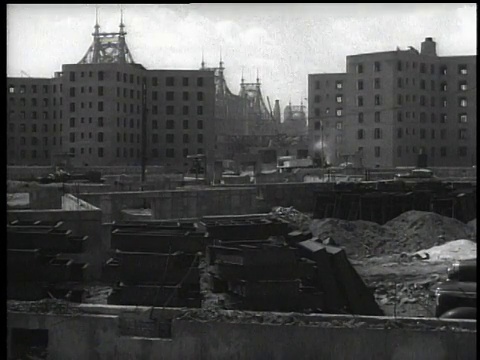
(122, 25)
(221, 62)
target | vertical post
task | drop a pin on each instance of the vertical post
(323, 157)
(144, 131)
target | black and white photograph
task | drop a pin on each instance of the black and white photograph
(241, 180)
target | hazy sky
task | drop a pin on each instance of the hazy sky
(285, 42)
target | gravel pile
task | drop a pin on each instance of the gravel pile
(409, 232)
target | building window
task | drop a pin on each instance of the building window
(154, 124)
(339, 84)
(170, 81)
(200, 138)
(377, 100)
(359, 68)
(185, 110)
(423, 68)
(399, 133)
(423, 117)
(200, 96)
(360, 85)
(339, 99)
(399, 65)
(338, 126)
(199, 110)
(72, 137)
(72, 122)
(317, 125)
(154, 110)
(462, 102)
(360, 101)
(100, 122)
(317, 99)
(154, 95)
(185, 124)
(422, 84)
(462, 86)
(377, 116)
(377, 151)
(360, 117)
(377, 134)
(443, 151)
(100, 152)
(155, 138)
(317, 112)
(423, 133)
(170, 153)
(339, 112)
(462, 70)
(170, 110)
(100, 137)
(443, 70)
(185, 81)
(399, 151)
(170, 138)
(376, 66)
(399, 82)
(462, 151)
(462, 134)
(399, 99)
(443, 118)
(199, 124)
(317, 85)
(360, 134)
(185, 96)
(200, 81)
(443, 134)
(170, 124)
(100, 106)
(376, 83)
(169, 96)
(462, 118)
(422, 101)
(100, 76)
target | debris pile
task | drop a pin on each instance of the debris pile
(409, 232)
(454, 250)
(293, 216)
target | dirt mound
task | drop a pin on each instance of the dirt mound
(453, 250)
(408, 232)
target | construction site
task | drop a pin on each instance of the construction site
(181, 269)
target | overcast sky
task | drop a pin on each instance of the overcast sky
(285, 42)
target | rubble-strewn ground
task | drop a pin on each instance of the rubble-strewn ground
(384, 256)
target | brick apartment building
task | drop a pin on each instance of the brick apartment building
(390, 107)
(93, 111)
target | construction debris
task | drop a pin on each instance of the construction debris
(408, 233)
(454, 250)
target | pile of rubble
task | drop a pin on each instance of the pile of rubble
(409, 232)
(454, 250)
(293, 216)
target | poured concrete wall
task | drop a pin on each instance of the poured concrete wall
(98, 336)
(202, 202)
(80, 222)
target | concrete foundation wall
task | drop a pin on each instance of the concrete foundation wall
(203, 202)
(95, 336)
(81, 223)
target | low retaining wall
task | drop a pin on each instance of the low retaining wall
(90, 334)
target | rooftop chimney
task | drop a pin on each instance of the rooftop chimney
(429, 47)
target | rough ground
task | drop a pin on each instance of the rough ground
(383, 256)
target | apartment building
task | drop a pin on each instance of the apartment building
(398, 105)
(94, 111)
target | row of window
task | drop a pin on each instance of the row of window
(377, 134)
(170, 153)
(462, 69)
(170, 81)
(100, 75)
(23, 127)
(35, 141)
(34, 154)
(100, 121)
(461, 101)
(462, 151)
(338, 84)
(22, 89)
(170, 138)
(170, 110)
(461, 133)
(100, 151)
(170, 124)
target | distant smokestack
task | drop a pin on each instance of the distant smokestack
(276, 111)
(429, 47)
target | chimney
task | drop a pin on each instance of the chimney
(429, 47)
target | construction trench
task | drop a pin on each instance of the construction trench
(275, 284)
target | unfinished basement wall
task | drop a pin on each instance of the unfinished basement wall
(100, 336)
(195, 203)
(81, 222)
